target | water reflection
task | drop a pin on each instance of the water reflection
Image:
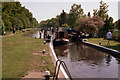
(86, 54)
(87, 62)
(108, 59)
(35, 34)
(62, 50)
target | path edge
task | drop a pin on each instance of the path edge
(55, 57)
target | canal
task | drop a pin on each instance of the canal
(34, 34)
(86, 62)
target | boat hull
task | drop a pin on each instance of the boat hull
(58, 42)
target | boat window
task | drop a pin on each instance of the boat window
(61, 35)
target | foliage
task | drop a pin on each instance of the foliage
(14, 15)
(102, 12)
(59, 20)
(91, 25)
(65, 25)
(95, 12)
(62, 19)
(53, 22)
(71, 20)
(117, 24)
(116, 34)
(107, 26)
(76, 12)
(89, 15)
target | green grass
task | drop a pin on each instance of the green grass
(9, 32)
(31, 31)
(17, 55)
(113, 44)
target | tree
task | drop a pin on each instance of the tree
(95, 12)
(14, 15)
(2, 29)
(71, 20)
(62, 19)
(53, 22)
(107, 26)
(90, 25)
(7, 24)
(102, 12)
(117, 24)
(89, 15)
(76, 12)
(43, 24)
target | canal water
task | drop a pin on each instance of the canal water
(35, 34)
(86, 62)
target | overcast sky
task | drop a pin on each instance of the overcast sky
(43, 10)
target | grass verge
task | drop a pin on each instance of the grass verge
(17, 56)
(113, 44)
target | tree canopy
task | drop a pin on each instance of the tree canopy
(62, 19)
(14, 15)
(91, 25)
(102, 12)
(117, 24)
(76, 12)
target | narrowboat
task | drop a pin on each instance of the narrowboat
(61, 38)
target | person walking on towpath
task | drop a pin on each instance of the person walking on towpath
(40, 32)
(45, 34)
(109, 37)
(13, 29)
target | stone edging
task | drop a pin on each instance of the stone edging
(113, 52)
(61, 67)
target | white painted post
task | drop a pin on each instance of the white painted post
(47, 75)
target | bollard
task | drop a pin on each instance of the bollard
(44, 42)
(99, 42)
(44, 51)
(47, 75)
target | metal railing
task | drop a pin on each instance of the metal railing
(55, 76)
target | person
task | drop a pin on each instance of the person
(45, 34)
(109, 37)
(40, 32)
(52, 30)
(13, 29)
(48, 37)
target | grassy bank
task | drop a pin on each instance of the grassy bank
(113, 44)
(18, 58)
(29, 30)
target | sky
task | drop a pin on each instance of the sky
(47, 9)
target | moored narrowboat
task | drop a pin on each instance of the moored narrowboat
(61, 38)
